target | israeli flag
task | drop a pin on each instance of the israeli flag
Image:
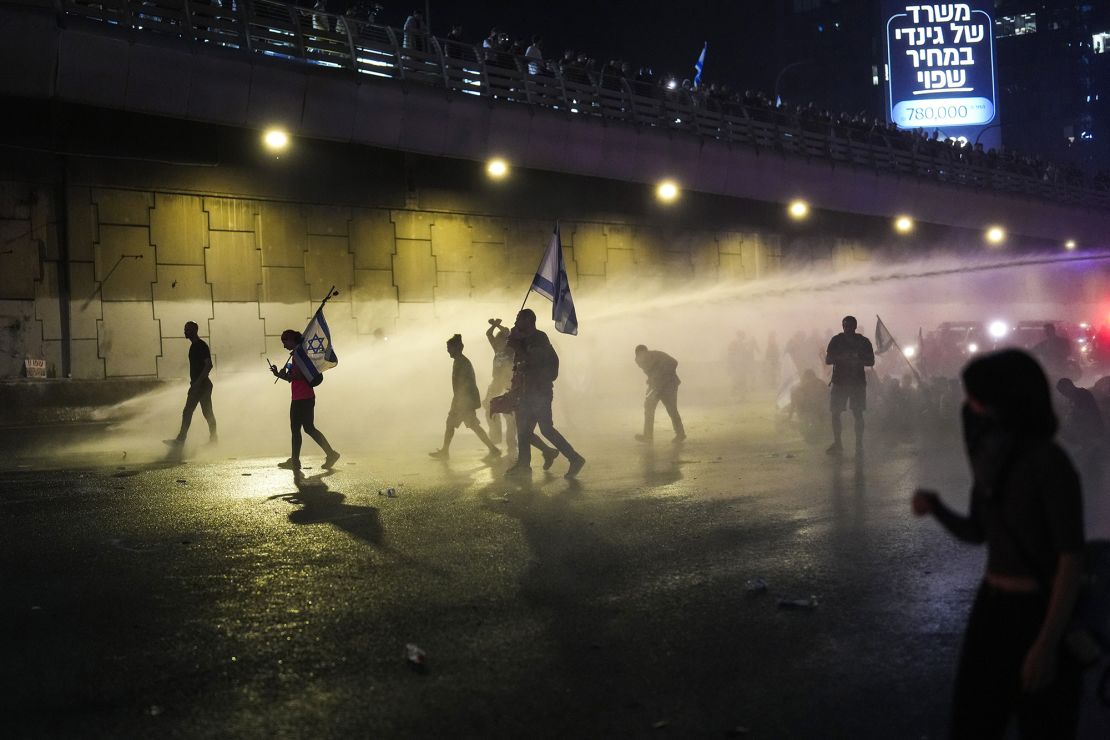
(551, 282)
(315, 354)
(700, 65)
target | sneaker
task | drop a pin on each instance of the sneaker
(575, 465)
(329, 460)
(549, 458)
(834, 449)
(678, 438)
(643, 438)
(175, 442)
(493, 454)
(213, 440)
(519, 471)
(439, 454)
(290, 464)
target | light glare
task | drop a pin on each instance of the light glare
(667, 191)
(798, 209)
(497, 168)
(909, 352)
(275, 139)
(996, 235)
(903, 224)
(998, 329)
(1070, 244)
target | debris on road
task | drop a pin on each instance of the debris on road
(182, 481)
(755, 585)
(738, 731)
(660, 725)
(800, 603)
(416, 657)
(388, 492)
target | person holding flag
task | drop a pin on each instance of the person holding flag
(310, 354)
(849, 353)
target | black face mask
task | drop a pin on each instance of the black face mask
(988, 445)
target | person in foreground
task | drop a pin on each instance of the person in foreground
(302, 407)
(1027, 506)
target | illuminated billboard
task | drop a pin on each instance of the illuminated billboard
(940, 68)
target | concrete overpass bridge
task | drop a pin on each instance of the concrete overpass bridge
(135, 131)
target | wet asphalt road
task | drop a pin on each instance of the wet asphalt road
(218, 597)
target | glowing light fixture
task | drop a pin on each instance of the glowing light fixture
(972, 348)
(996, 235)
(1070, 245)
(275, 139)
(998, 329)
(667, 191)
(903, 224)
(497, 168)
(798, 209)
(909, 352)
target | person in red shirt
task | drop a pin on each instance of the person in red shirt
(301, 408)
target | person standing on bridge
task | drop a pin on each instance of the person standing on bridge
(849, 353)
(200, 387)
(662, 385)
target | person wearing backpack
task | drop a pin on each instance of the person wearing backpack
(1027, 507)
(302, 407)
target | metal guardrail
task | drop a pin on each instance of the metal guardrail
(278, 29)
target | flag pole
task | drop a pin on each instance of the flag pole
(894, 341)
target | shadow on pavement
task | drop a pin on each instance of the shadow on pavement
(321, 505)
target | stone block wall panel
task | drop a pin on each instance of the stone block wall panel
(372, 236)
(129, 338)
(20, 336)
(412, 224)
(489, 273)
(48, 310)
(328, 220)
(414, 271)
(590, 248)
(123, 207)
(19, 260)
(15, 200)
(282, 228)
(85, 361)
(284, 301)
(731, 268)
(525, 243)
(374, 301)
(81, 224)
(328, 262)
(452, 286)
(238, 337)
(84, 305)
(179, 229)
(230, 214)
(126, 263)
(182, 294)
(621, 265)
(174, 361)
(233, 266)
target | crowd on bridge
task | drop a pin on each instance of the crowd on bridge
(531, 56)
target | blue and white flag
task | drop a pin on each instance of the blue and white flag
(315, 353)
(700, 65)
(551, 282)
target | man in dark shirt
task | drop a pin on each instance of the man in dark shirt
(1053, 351)
(662, 385)
(464, 402)
(200, 387)
(849, 353)
(538, 366)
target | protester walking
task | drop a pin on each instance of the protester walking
(1027, 507)
(465, 402)
(501, 379)
(538, 366)
(200, 387)
(849, 353)
(302, 407)
(662, 386)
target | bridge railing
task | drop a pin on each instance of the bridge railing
(279, 29)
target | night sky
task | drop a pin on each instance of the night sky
(663, 34)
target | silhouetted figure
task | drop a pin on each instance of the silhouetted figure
(849, 353)
(465, 402)
(538, 366)
(1053, 351)
(302, 407)
(809, 400)
(200, 387)
(1083, 430)
(500, 380)
(1026, 505)
(662, 386)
